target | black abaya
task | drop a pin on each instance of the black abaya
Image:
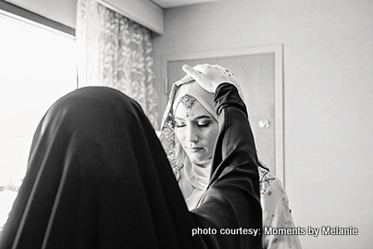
(98, 178)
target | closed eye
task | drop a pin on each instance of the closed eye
(203, 124)
(179, 122)
(180, 125)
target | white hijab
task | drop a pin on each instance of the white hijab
(193, 179)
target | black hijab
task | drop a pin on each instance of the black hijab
(98, 178)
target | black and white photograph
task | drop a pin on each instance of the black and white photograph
(186, 124)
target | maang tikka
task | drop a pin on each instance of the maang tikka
(187, 101)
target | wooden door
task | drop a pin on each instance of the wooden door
(256, 73)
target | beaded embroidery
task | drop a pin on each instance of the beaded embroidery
(187, 101)
(176, 170)
(167, 136)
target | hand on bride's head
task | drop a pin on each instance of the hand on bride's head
(210, 76)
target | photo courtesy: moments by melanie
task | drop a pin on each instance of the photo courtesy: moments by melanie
(312, 231)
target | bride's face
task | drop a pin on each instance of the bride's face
(197, 131)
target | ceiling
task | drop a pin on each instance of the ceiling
(164, 4)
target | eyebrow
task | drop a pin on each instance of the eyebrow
(197, 118)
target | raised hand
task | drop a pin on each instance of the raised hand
(210, 76)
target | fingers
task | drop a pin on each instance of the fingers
(197, 73)
(192, 72)
(209, 76)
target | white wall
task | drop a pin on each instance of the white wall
(328, 93)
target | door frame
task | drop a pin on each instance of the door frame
(277, 50)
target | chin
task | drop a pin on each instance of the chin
(203, 162)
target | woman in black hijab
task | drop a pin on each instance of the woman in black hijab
(98, 177)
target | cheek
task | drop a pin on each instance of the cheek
(212, 137)
(179, 135)
(211, 141)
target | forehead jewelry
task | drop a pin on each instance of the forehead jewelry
(187, 101)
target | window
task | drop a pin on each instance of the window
(37, 66)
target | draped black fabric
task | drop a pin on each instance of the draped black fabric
(98, 178)
(232, 199)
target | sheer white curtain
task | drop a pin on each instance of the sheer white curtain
(114, 51)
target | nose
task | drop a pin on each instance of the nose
(191, 135)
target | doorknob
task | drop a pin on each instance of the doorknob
(264, 124)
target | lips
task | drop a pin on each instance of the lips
(195, 149)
